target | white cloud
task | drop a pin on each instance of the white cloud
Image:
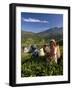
(34, 20)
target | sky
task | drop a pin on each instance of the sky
(38, 22)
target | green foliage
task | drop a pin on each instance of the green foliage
(34, 40)
(31, 67)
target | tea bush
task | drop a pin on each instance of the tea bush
(31, 67)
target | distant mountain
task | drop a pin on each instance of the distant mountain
(52, 33)
(55, 32)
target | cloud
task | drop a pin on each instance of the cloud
(34, 20)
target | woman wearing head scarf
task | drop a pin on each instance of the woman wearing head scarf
(54, 50)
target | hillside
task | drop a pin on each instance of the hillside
(51, 31)
(55, 32)
(25, 34)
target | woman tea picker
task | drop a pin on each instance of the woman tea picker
(54, 50)
(53, 53)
